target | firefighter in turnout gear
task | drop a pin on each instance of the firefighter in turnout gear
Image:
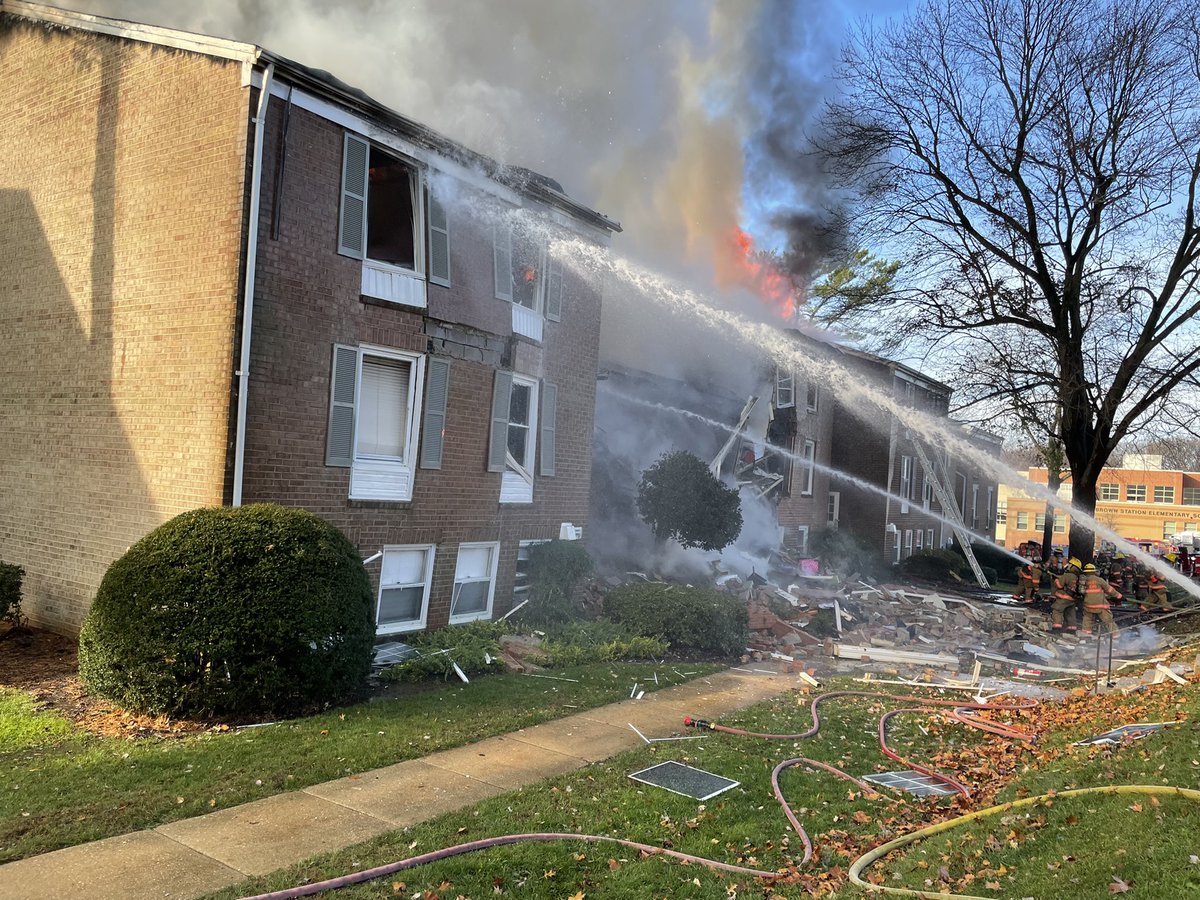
(1029, 579)
(1158, 591)
(1096, 592)
(1066, 593)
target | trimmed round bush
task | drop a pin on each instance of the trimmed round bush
(689, 619)
(249, 611)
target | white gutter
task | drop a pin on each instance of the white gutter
(243, 370)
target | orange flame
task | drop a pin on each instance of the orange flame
(739, 266)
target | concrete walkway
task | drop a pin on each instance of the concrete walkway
(192, 857)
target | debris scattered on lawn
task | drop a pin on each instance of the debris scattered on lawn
(650, 740)
(913, 782)
(1125, 733)
(392, 653)
(680, 779)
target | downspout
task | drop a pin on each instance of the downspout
(243, 371)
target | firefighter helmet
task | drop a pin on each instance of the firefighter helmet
(1089, 569)
(1073, 563)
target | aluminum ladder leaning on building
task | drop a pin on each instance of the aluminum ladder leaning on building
(950, 510)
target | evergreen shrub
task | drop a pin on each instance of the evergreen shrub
(249, 611)
(555, 570)
(474, 646)
(10, 592)
(689, 619)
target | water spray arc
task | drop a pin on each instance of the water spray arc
(592, 261)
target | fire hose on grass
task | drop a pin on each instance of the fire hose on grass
(961, 713)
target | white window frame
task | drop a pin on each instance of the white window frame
(1022, 520)
(896, 549)
(419, 623)
(367, 470)
(811, 397)
(926, 489)
(1166, 492)
(834, 509)
(974, 505)
(526, 321)
(908, 543)
(1135, 493)
(1060, 523)
(517, 483)
(493, 565)
(1109, 492)
(785, 389)
(929, 538)
(987, 510)
(802, 539)
(906, 473)
(1191, 496)
(809, 463)
(920, 540)
(1170, 529)
(1039, 522)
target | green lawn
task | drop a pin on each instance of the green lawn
(62, 786)
(1150, 848)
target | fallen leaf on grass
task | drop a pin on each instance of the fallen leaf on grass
(1118, 886)
(613, 865)
(578, 895)
(1136, 807)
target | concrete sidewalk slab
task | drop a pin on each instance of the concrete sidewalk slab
(582, 738)
(142, 864)
(406, 793)
(505, 763)
(260, 837)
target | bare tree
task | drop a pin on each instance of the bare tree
(1035, 163)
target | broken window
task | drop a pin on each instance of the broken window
(521, 579)
(527, 276)
(785, 389)
(391, 210)
(515, 427)
(474, 582)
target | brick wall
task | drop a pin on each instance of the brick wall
(121, 198)
(308, 298)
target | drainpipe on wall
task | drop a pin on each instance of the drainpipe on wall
(243, 370)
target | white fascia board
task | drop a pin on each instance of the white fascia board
(371, 130)
(134, 31)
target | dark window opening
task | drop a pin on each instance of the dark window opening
(391, 216)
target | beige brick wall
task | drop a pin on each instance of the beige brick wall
(121, 195)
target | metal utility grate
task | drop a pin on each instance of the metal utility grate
(1124, 733)
(680, 779)
(913, 782)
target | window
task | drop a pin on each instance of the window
(908, 542)
(521, 581)
(920, 539)
(1022, 521)
(1109, 492)
(1164, 493)
(474, 582)
(927, 491)
(896, 548)
(929, 538)
(987, 510)
(373, 419)
(802, 539)
(974, 506)
(785, 389)
(381, 221)
(1135, 493)
(834, 508)
(1001, 513)
(404, 589)
(1060, 523)
(1190, 526)
(1191, 496)
(526, 276)
(1039, 523)
(808, 463)
(514, 433)
(810, 399)
(1064, 491)
(906, 468)
(1169, 529)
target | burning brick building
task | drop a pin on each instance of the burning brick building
(230, 278)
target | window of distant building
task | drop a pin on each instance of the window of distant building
(1039, 522)
(1164, 493)
(1191, 496)
(1001, 513)
(1169, 528)
(1060, 524)
(1135, 493)
(1022, 521)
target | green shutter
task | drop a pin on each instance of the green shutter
(339, 447)
(498, 439)
(433, 428)
(549, 412)
(352, 230)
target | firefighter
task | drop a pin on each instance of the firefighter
(1157, 591)
(1066, 590)
(1141, 585)
(1029, 579)
(1096, 593)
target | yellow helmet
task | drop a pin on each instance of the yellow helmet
(1119, 555)
(1089, 568)
(1074, 563)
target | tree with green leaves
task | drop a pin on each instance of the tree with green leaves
(1035, 163)
(680, 499)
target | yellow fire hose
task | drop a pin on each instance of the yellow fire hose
(883, 850)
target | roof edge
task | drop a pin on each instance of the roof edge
(222, 48)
